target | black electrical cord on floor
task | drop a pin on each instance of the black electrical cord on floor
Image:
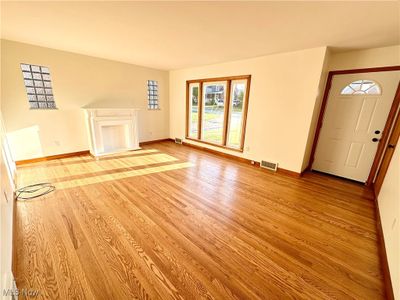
(33, 188)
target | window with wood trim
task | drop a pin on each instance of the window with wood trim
(216, 110)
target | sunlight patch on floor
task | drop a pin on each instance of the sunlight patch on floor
(48, 173)
(120, 175)
(80, 171)
(80, 158)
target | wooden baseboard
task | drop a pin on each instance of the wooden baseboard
(227, 155)
(241, 159)
(154, 141)
(307, 169)
(51, 157)
(289, 173)
(72, 154)
(382, 253)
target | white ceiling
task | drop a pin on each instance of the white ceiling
(172, 35)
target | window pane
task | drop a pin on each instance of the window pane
(361, 87)
(42, 105)
(51, 104)
(194, 110)
(28, 82)
(39, 91)
(38, 83)
(37, 76)
(35, 68)
(25, 67)
(30, 90)
(46, 76)
(27, 75)
(367, 84)
(347, 91)
(237, 106)
(45, 70)
(34, 104)
(32, 97)
(213, 111)
(374, 90)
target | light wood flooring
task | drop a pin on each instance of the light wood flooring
(172, 222)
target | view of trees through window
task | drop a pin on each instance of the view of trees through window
(213, 112)
(194, 110)
(219, 112)
(236, 114)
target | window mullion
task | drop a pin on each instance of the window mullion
(200, 114)
(188, 106)
(245, 111)
(226, 112)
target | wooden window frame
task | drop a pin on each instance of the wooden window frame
(227, 108)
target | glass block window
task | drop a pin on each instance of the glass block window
(152, 94)
(38, 86)
(362, 87)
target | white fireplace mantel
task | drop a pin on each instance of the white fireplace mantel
(112, 130)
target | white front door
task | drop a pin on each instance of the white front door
(356, 112)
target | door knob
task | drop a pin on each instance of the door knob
(375, 140)
(391, 146)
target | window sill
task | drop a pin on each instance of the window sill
(215, 145)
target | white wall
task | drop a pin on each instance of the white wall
(376, 57)
(317, 109)
(78, 80)
(283, 92)
(389, 207)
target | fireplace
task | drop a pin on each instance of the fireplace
(112, 130)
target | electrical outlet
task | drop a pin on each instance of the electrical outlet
(57, 143)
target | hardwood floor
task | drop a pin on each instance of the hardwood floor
(172, 222)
